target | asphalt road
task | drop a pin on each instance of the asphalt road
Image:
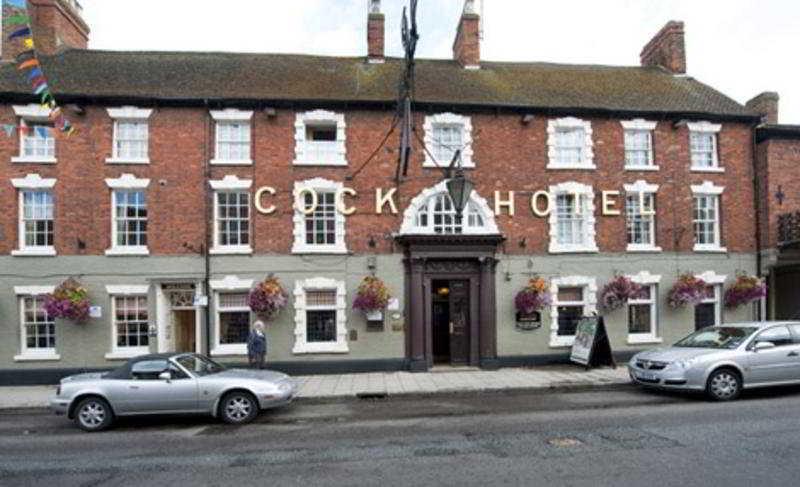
(599, 438)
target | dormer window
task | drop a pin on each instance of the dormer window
(445, 134)
(320, 139)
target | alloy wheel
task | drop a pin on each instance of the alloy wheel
(724, 385)
(92, 414)
(238, 408)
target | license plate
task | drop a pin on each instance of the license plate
(645, 376)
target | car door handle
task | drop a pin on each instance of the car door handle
(794, 354)
(134, 387)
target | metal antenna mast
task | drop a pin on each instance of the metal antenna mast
(406, 91)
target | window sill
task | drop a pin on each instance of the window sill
(43, 252)
(708, 169)
(34, 160)
(642, 168)
(226, 350)
(311, 348)
(589, 167)
(335, 163)
(644, 340)
(711, 249)
(562, 341)
(37, 357)
(634, 248)
(232, 162)
(231, 251)
(115, 160)
(123, 252)
(588, 249)
(126, 354)
(319, 250)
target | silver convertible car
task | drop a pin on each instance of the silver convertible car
(723, 360)
(183, 383)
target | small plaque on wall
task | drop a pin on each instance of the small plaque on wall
(95, 312)
(529, 322)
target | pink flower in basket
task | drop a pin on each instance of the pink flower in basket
(687, 291)
(69, 300)
(268, 298)
(618, 291)
(746, 290)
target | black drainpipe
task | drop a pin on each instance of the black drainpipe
(758, 203)
(208, 209)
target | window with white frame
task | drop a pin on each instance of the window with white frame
(703, 144)
(320, 321)
(446, 133)
(131, 135)
(129, 215)
(709, 311)
(573, 298)
(37, 141)
(36, 216)
(37, 328)
(131, 324)
(318, 222)
(570, 144)
(431, 212)
(233, 133)
(643, 310)
(232, 216)
(640, 219)
(232, 315)
(706, 218)
(639, 144)
(320, 139)
(572, 220)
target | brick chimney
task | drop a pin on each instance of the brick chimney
(667, 49)
(467, 46)
(56, 25)
(766, 105)
(376, 33)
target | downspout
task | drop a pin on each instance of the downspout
(758, 203)
(208, 194)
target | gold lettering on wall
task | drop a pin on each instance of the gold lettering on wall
(300, 201)
(610, 202)
(382, 200)
(340, 207)
(266, 210)
(535, 203)
(504, 203)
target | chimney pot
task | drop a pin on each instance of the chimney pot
(467, 46)
(667, 49)
(376, 33)
(765, 104)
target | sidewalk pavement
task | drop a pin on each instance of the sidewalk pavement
(379, 384)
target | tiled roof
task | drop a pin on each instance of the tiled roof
(195, 76)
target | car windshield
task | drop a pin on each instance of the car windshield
(726, 337)
(199, 365)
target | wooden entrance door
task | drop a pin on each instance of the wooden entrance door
(185, 339)
(459, 322)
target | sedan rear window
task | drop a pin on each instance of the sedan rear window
(723, 337)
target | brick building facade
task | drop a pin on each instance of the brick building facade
(183, 180)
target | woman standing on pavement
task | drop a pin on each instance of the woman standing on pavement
(257, 346)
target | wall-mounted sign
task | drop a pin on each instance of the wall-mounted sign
(200, 301)
(529, 322)
(95, 312)
(394, 304)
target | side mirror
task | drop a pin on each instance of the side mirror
(763, 346)
(166, 375)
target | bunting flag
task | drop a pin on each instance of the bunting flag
(20, 22)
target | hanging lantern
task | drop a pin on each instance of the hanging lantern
(460, 188)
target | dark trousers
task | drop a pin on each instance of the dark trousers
(256, 360)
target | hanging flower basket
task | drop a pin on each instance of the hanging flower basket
(268, 298)
(533, 298)
(372, 297)
(70, 300)
(687, 291)
(745, 290)
(618, 291)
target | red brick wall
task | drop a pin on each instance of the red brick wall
(467, 46)
(508, 155)
(778, 163)
(50, 20)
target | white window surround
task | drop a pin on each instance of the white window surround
(31, 355)
(227, 284)
(408, 226)
(587, 193)
(229, 115)
(590, 296)
(300, 246)
(124, 182)
(707, 128)
(30, 182)
(232, 184)
(642, 125)
(710, 189)
(32, 113)
(123, 114)
(569, 123)
(301, 346)
(449, 119)
(645, 278)
(641, 186)
(717, 281)
(712, 278)
(305, 155)
(113, 291)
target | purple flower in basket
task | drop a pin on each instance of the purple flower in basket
(746, 290)
(533, 297)
(69, 300)
(618, 291)
(687, 291)
(268, 298)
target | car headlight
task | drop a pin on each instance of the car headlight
(685, 364)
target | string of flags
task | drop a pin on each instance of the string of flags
(28, 62)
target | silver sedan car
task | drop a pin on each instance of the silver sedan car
(184, 383)
(723, 360)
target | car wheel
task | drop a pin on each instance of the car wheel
(93, 414)
(724, 385)
(238, 408)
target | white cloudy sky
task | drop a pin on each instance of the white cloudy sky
(741, 47)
